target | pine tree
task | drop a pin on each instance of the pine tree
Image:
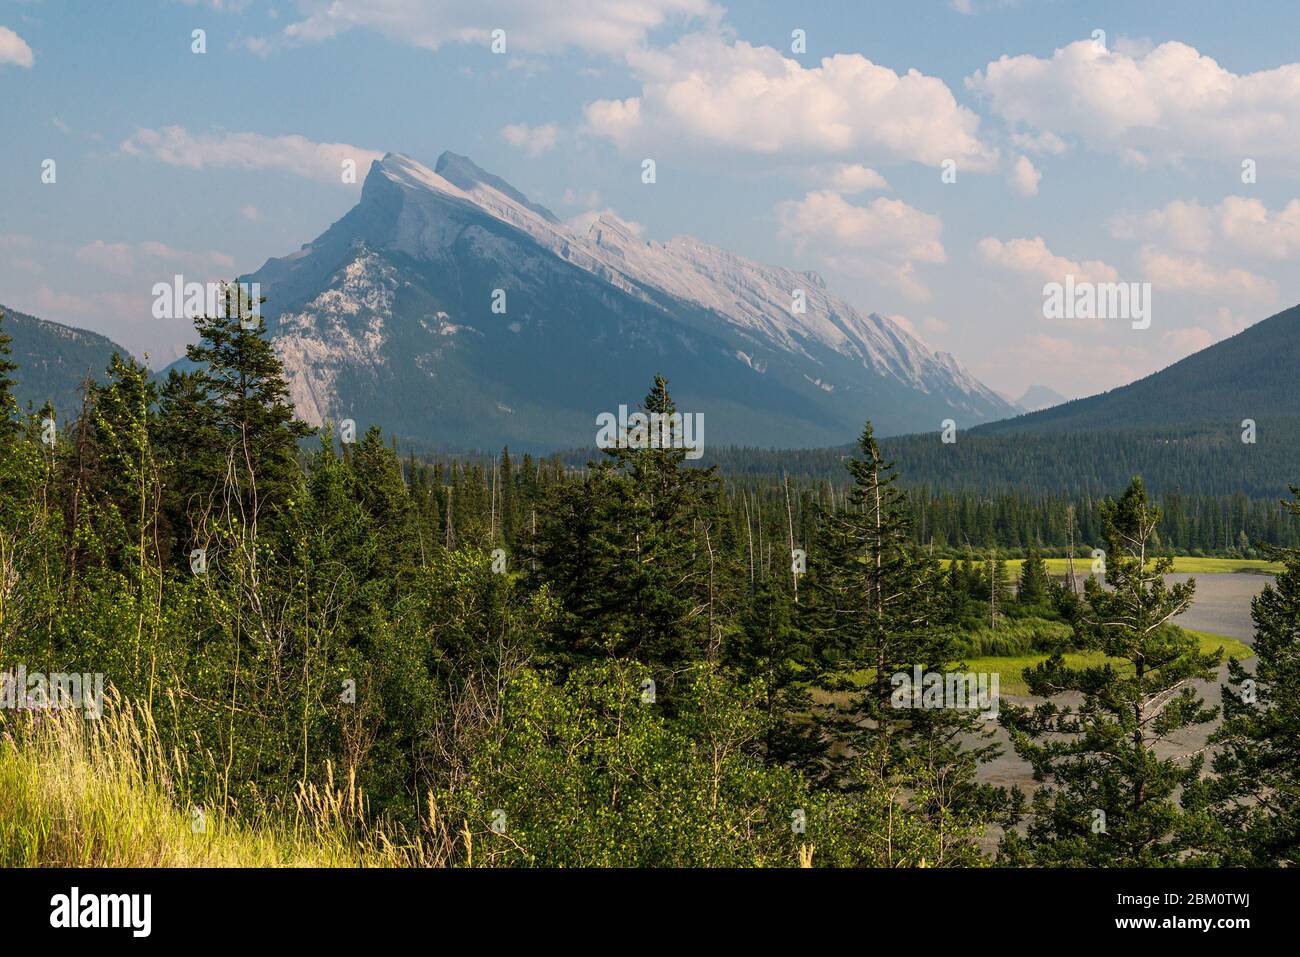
(877, 612)
(10, 427)
(243, 380)
(1034, 585)
(1115, 798)
(632, 551)
(1257, 794)
(1071, 581)
(957, 588)
(507, 498)
(769, 648)
(123, 488)
(189, 447)
(976, 582)
(870, 595)
(377, 485)
(126, 474)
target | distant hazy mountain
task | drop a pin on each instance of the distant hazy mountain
(387, 318)
(53, 360)
(1038, 397)
(1251, 375)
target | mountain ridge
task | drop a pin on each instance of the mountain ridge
(403, 285)
(1247, 376)
(53, 360)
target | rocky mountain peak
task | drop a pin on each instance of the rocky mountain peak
(407, 279)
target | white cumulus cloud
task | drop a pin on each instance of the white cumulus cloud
(1148, 106)
(14, 49)
(1239, 226)
(1034, 257)
(1193, 275)
(855, 178)
(711, 94)
(1025, 176)
(884, 239)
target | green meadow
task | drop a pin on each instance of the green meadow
(1189, 564)
(1011, 668)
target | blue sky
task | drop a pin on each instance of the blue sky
(1117, 161)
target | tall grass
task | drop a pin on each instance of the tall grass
(103, 793)
(1014, 636)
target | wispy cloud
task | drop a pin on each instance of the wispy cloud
(531, 26)
(534, 140)
(127, 258)
(177, 146)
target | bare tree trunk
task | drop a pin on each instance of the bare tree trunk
(749, 534)
(789, 518)
(714, 644)
(993, 592)
(451, 511)
(1070, 581)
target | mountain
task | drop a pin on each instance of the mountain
(1248, 376)
(388, 318)
(1181, 429)
(1039, 397)
(53, 360)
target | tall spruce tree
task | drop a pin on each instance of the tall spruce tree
(1113, 799)
(378, 486)
(9, 424)
(508, 521)
(872, 595)
(190, 450)
(632, 550)
(1257, 793)
(956, 589)
(1034, 586)
(769, 647)
(877, 611)
(243, 380)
